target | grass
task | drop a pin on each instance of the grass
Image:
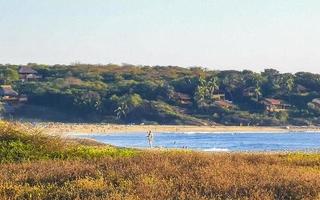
(37, 166)
(20, 144)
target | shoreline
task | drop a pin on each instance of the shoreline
(67, 128)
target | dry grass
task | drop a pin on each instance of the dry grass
(163, 175)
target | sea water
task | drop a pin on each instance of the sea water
(223, 142)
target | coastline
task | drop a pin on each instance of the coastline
(67, 128)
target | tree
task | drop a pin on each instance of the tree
(89, 101)
(2, 110)
(309, 80)
(282, 116)
(287, 83)
(186, 84)
(254, 80)
(205, 91)
(231, 82)
(8, 75)
(166, 91)
(122, 111)
(126, 104)
(212, 86)
(257, 91)
(272, 81)
(200, 93)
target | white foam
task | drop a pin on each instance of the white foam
(229, 132)
(217, 149)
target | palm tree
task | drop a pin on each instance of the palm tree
(255, 80)
(231, 82)
(212, 86)
(122, 111)
(287, 84)
(257, 91)
(204, 91)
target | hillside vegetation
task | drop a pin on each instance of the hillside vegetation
(36, 166)
(164, 95)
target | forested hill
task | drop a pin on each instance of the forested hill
(161, 95)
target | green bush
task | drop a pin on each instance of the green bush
(19, 145)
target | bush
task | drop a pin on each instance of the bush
(19, 144)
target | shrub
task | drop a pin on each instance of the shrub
(19, 144)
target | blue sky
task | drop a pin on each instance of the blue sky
(218, 34)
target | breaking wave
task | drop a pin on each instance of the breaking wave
(217, 149)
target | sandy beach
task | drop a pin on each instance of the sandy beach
(67, 128)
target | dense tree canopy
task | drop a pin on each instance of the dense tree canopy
(166, 95)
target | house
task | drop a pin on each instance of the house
(8, 94)
(28, 74)
(274, 105)
(224, 104)
(23, 98)
(300, 89)
(218, 97)
(182, 98)
(249, 92)
(10, 99)
(316, 102)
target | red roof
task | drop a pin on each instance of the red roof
(272, 101)
(223, 103)
(183, 96)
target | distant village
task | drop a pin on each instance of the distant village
(11, 99)
(271, 105)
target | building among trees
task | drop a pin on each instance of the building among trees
(10, 99)
(8, 94)
(183, 99)
(316, 102)
(225, 104)
(26, 73)
(218, 97)
(274, 105)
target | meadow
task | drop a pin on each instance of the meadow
(38, 166)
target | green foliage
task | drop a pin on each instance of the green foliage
(168, 114)
(126, 104)
(8, 75)
(205, 91)
(124, 93)
(85, 152)
(186, 84)
(283, 116)
(1, 109)
(314, 108)
(20, 145)
(90, 100)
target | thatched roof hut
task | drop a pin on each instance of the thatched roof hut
(27, 70)
(6, 90)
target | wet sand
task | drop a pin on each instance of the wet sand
(67, 128)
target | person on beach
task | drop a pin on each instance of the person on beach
(150, 138)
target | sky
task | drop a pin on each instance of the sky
(216, 34)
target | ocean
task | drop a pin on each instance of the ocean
(219, 142)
